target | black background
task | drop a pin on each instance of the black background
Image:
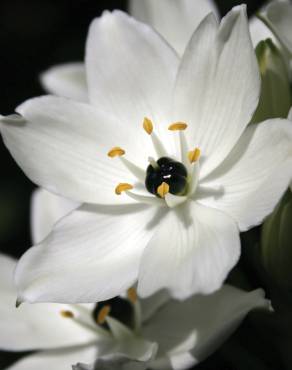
(34, 35)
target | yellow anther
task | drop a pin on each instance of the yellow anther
(67, 314)
(116, 152)
(194, 155)
(123, 186)
(163, 189)
(132, 295)
(103, 313)
(178, 126)
(148, 125)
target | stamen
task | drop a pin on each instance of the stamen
(116, 152)
(194, 155)
(148, 125)
(163, 189)
(153, 162)
(123, 187)
(103, 313)
(158, 146)
(67, 314)
(178, 126)
(136, 171)
(132, 295)
(146, 199)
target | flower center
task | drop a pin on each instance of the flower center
(166, 170)
(119, 308)
(171, 181)
(125, 310)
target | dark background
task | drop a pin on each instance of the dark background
(34, 35)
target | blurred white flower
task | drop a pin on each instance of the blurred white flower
(274, 21)
(277, 16)
(63, 335)
(222, 177)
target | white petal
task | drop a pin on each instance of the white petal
(218, 86)
(29, 327)
(63, 147)
(46, 209)
(131, 70)
(174, 20)
(67, 80)
(192, 251)
(259, 31)
(56, 360)
(290, 114)
(153, 303)
(130, 345)
(255, 174)
(115, 362)
(92, 255)
(279, 15)
(198, 326)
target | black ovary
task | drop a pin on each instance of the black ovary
(170, 171)
(121, 309)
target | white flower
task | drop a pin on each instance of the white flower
(63, 335)
(186, 243)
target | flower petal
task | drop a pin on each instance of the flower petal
(61, 359)
(174, 20)
(255, 174)
(115, 362)
(192, 251)
(130, 70)
(67, 80)
(279, 15)
(29, 327)
(153, 303)
(46, 209)
(128, 344)
(91, 255)
(218, 86)
(198, 326)
(63, 147)
(259, 31)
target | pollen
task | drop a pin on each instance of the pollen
(123, 186)
(132, 295)
(116, 152)
(148, 125)
(103, 313)
(194, 155)
(67, 314)
(178, 126)
(163, 189)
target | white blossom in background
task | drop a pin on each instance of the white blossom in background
(197, 110)
(274, 21)
(61, 335)
(183, 334)
(167, 334)
(277, 16)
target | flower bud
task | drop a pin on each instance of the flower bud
(276, 239)
(275, 99)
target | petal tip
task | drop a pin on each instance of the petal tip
(18, 302)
